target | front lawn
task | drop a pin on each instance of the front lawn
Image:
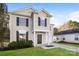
(38, 52)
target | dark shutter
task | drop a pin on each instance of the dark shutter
(27, 22)
(17, 21)
(45, 22)
(26, 35)
(17, 36)
(39, 21)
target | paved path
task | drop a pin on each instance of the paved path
(68, 47)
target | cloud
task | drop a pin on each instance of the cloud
(60, 19)
(57, 19)
(73, 16)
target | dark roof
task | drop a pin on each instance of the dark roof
(68, 32)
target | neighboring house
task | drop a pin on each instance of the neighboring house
(67, 36)
(31, 24)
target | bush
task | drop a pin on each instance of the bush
(12, 45)
(20, 44)
(29, 43)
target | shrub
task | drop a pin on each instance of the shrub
(20, 44)
(29, 43)
(12, 45)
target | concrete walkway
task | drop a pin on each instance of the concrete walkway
(67, 47)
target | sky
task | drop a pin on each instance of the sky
(61, 12)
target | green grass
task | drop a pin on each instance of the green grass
(38, 52)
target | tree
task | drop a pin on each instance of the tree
(73, 24)
(3, 22)
(55, 30)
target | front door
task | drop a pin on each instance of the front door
(39, 39)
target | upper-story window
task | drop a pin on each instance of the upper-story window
(22, 21)
(42, 22)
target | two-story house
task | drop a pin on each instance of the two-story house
(31, 24)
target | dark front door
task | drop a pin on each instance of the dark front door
(39, 38)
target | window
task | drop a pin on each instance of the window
(57, 38)
(39, 21)
(39, 38)
(63, 38)
(45, 22)
(76, 38)
(26, 35)
(42, 22)
(22, 21)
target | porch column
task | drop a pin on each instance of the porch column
(47, 40)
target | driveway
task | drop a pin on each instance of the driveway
(67, 47)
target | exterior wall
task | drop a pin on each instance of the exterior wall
(14, 27)
(68, 37)
(42, 15)
(33, 28)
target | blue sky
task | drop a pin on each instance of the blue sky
(61, 12)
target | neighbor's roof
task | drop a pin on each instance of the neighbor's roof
(72, 31)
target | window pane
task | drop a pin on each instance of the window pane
(39, 38)
(22, 22)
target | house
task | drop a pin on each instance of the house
(71, 36)
(31, 24)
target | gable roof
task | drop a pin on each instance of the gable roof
(35, 11)
(72, 31)
(43, 10)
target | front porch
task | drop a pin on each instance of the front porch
(40, 38)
